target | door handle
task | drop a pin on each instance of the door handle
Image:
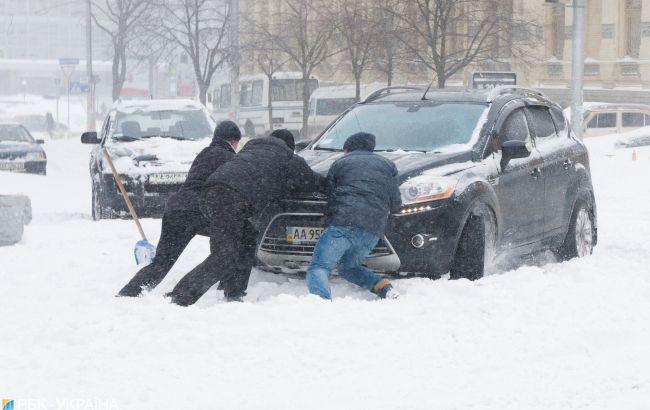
(567, 164)
(535, 173)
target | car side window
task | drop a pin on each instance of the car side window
(561, 124)
(603, 120)
(542, 122)
(515, 127)
(632, 119)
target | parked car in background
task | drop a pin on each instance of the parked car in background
(632, 139)
(152, 144)
(19, 151)
(482, 174)
(37, 126)
(611, 118)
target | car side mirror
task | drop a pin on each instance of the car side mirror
(89, 137)
(516, 149)
(40, 142)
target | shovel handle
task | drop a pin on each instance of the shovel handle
(120, 185)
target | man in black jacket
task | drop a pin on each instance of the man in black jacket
(363, 190)
(261, 174)
(182, 219)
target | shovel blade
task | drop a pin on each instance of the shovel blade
(144, 252)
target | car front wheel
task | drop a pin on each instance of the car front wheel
(99, 209)
(476, 246)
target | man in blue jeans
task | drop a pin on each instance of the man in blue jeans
(363, 190)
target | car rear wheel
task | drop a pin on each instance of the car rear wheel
(579, 241)
(476, 247)
(99, 209)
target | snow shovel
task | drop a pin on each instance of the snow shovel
(144, 251)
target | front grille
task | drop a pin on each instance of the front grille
(163, 188)
(275, 240)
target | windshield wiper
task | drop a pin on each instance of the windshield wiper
(176, 137)
(317, 148)
(400, 149)
(126, 138)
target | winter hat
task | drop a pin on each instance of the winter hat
(227, 130)
(360, 141)
(286, 136)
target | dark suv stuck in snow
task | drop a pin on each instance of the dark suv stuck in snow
(483, 174)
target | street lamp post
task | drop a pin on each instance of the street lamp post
(577, 66)
(90, 97)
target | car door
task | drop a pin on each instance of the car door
(520, 186)
(556, 149)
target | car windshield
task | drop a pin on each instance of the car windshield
(179, 124)
(13, 133)
(409, 126)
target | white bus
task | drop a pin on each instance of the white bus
(286, 95)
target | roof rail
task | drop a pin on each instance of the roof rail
(386, 90)
(513, 89)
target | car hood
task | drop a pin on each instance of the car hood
(155, 155)
(409, 163)
(13, 149)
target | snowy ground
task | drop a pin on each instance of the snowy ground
(560, 336)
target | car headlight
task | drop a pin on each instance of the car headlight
(35, 156)
(427, 188)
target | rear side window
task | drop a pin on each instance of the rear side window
(515, 127)
(542, 122)
(559, 120)
(603, 120)
(633, 119)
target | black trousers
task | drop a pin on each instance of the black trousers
(178, 229)
(232, 248)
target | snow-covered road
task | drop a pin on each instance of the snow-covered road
(560, 336)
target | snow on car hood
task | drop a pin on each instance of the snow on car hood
(155, 155)
(408, 163)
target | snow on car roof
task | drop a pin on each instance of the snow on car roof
(157, 105)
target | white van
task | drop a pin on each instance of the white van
(327, 103)
(286, 100)
(613, 118)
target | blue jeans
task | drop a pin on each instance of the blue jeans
(347, 247)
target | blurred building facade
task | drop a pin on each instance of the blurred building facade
(617, 51)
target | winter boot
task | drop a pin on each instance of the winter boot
(385, 290)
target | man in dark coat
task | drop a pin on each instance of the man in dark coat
(182, 219)
(363, 190)
(260, 175)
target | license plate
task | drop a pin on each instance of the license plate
(303, 233)
(168, 178)
(12, 166)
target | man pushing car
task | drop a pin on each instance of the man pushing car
(362, 191)
(236, 194)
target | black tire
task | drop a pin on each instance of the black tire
(476, 246)
(99, 209)
(580, 237)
